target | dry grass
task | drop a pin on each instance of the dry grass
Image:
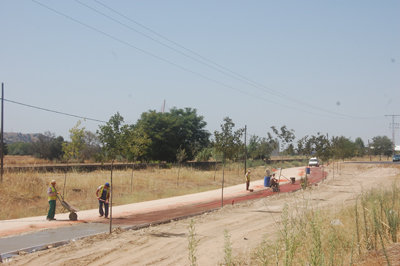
(24, 194)
(325, 237)
(23, 160)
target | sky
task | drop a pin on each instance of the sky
(314, 66)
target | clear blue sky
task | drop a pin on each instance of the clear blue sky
(315, 66)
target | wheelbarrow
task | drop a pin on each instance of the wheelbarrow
(72, 211)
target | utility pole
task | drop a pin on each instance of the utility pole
(394, 126)
(2, 131)
(245, 150)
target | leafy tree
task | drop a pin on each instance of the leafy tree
(382, 145)
(343, 148)
(261, 148)
(179, 128)
(20, 148)
(318, 145)
(289, 150)
(192, 134)
(5, 148)
(228, 143)
(111, 135)
(252, 147)
(48, 146)
(286, 136)
(321, 145)
(73, 150)
(359, 146)
(136, 142)
(204, 155)
(302, 146)
(92, 149)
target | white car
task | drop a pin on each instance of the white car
(313, 162)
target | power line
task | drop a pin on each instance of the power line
(187, 69)
(166, 60)
(214, 65)
(53, 111)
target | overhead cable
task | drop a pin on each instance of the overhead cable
(53, 111)
(183, 67)
(205, 61)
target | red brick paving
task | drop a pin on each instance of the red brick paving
(159, 216)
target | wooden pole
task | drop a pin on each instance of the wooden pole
(245, 150)
(2, 132)
(111, 195)
(223, 180)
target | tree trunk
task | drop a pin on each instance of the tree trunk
(215, 169)
(133, 166)
(177, 181)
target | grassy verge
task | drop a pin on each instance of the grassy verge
(24, 194)
(320, 237)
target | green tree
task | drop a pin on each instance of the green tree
(286, 136)
(136, 143)
(321, 145)
(289, 150)
(5, 148)
(179, 128)
(261, 148)
(360, 147)
(343, 148)
(318, 145)
(228, 143)
(92, 149)
(48, 146)
(20, 148)
(204, 155)
(382, 145)
(111, 136)
(73, 150)
(302, 147)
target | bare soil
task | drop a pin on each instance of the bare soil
(248, 224)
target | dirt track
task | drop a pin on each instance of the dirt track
(246, 222)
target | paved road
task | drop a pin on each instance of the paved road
(375, 162)
(35, 233)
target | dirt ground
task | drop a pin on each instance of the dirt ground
(247, 223)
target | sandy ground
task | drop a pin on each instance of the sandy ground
(248, 224)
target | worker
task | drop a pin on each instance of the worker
(52, 198)
(248, 179)
(274, 183)
(103, 195)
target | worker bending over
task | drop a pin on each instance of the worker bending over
(103, 195)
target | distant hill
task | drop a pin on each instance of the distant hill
(12, 137)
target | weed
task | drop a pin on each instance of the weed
(227, 249)
(192, 243)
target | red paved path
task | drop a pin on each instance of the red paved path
(164, 215)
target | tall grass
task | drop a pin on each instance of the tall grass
(321, 237)
(23, 194)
